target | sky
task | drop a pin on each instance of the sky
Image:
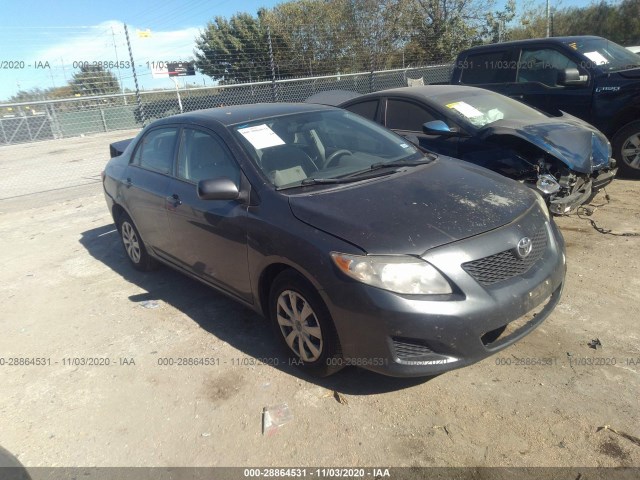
(43, 40)
(66, 32)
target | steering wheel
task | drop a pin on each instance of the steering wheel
(334, 155)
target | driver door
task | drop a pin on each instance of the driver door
(210, 238)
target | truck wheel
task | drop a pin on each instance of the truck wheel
(626, 149)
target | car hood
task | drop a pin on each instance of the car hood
(417, 209)
(574, 142)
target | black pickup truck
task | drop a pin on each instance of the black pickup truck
(588, 77)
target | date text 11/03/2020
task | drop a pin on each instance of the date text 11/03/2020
(316, 472)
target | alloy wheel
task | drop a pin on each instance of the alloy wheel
(631, 151)
(131, 242)
(299, 326)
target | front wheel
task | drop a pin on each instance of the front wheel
(626, 149)
(303, 325)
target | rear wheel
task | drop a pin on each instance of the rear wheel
(303, 325)
(133, 246)
(626, 149)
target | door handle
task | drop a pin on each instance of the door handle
(129, 182)
(174, 200)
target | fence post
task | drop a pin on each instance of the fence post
(274, 87)
(4, 135)
(56, 130)
(26, 122)
(104, 122)
(371, 73)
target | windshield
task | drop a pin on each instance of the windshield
(605, 54)
(481, 107)
(330, 144)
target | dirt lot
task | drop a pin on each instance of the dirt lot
(68, 293)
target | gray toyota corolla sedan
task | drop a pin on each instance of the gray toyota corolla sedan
(360, 248)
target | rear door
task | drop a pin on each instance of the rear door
(146, 185)
(209, 236)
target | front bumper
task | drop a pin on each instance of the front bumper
(419, 335)
(604, 178)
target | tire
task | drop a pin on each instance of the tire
(133, 246)
(311, 342)
(627, 139)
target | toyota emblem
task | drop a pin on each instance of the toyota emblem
(525, 245)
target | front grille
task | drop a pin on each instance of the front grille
(407, 350)
(506, 264)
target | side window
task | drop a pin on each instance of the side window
(403, 115)
(490, 67)
(202, 156)
(543, 66)
(156, 149)
(366, 109)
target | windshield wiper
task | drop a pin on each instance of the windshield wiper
(392, 165)
(347, 179)
(413, 163)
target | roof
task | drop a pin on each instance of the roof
(422, 92)
(232, 115)
(557, 40)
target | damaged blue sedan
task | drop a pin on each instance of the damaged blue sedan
(564, 158)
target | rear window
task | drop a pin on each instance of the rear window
(488, 67)
(366, 109)
(156, 149)
(403, 115)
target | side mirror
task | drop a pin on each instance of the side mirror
(438, 127)
(222, 188)
(571, 76)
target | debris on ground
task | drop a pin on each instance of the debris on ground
(274, 417)
(150, 304)
(631, 438)
(446, 430)
(595, 344)
(341, 399)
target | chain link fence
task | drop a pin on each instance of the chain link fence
(56, 119)
(49, 148)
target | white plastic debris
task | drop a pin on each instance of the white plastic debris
(275, 417)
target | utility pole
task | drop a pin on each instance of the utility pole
(548, 20)
(113, 35)
(135, 77)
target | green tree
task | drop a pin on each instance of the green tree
(235, 50)
(303, 45)
(617, 21)
(496, 22)
(93, 80)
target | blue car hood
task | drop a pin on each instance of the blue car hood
(575, 143)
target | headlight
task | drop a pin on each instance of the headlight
(400, 274)
(543, 205)
(547, 183)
